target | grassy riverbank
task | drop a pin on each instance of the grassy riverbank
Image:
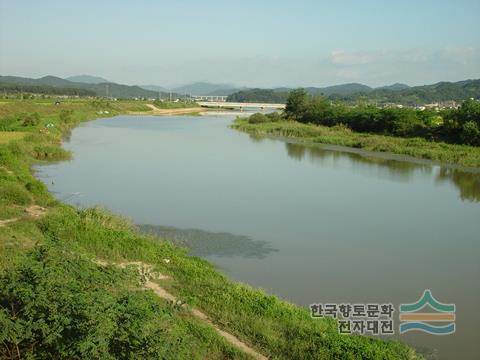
(464, 155)
(59, 300)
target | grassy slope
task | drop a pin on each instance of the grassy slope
(47, 263)
(438, 151)
(175, 105)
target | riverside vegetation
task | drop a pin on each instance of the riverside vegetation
(451, 136)
(56, 301)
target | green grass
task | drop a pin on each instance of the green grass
(56, 302)
(7, 136)
(175, 105)
(137, 106)
(463, 155)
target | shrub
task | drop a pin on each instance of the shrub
(470, 133)
(274, 116)
(258, 118)
(51, 152)
(38, 190)
(66, 116)
(31, 120)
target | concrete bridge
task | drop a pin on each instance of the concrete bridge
(217, 98)
(237, 105)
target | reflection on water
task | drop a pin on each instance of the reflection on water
(205, 243)
(468, 183)
(257, 138)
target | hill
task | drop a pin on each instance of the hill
(279, 95)
(394, 87)
(46, 80)
(396, 93)
(226, 91)
(205, 88)
(87, 79)
(154, 88)
(416, 95)
(343, 89)
(44, 89)
(114, 90)
(259, 95)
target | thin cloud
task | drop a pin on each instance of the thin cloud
(340, 57)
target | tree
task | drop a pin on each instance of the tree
(469, 111)
(296, 102)
(470, 133)
(317, 109)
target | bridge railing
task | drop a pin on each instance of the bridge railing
(217, 98)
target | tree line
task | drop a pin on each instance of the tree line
(460, 125)
(44, 89)
(259, 95)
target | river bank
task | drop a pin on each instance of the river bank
(50, 264)
(440, 152)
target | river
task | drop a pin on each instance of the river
(308, 224)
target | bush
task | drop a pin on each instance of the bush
(274, 116)
(58, 305)
(39, 191)
(31, 120)
(50, 152)
(66, 116)
(258, 118)
(470, 133)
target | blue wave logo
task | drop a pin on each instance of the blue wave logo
(412, 319)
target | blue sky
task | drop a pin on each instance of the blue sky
(252, 43)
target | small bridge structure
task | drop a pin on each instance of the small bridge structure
(212, 98)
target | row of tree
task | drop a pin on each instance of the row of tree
(259, 95)
(44, 89)
(457, 125)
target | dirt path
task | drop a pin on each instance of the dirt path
(8, 221)
(179, 111)
(146, 272)
(33, 211)
(6, 170)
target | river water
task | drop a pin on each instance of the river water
(308, 224)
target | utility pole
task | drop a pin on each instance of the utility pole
(106, 90)
(170, 96)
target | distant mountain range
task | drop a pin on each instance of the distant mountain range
(154, 88)
(198, 89)
(87, 79)
(344, 89)
(394, 87)
(96, 88)
(415, 95)
(396, 93)
(205, 88)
